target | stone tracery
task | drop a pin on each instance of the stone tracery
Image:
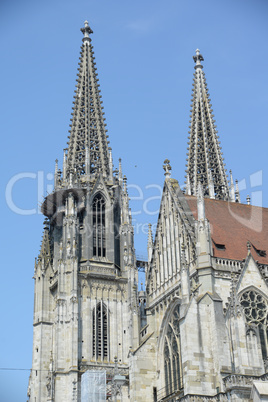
(172, 354)
(255, 310)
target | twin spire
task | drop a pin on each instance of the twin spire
(205, 164)
(88, 151)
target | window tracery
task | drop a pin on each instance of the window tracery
(99, 240)
(172, 354)
(100, 332)
(255, 308)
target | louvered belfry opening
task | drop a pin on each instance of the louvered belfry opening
(99, 241)
(100, 332)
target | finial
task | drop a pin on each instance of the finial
(150, 242)
(125, 183)
(150, 234)
(248, 246)
(87, 161)
(110, 164)
(99, 166)
(198, 58)
(211, 186)
(200, 203)
(183, 255)
(120, 175)
(188, 185)
(86, 30)
(115, 365)
(64, 165)
(231, 177)
(46, 224)
(248, 199)
(237, 195)
(167, 167)
(232, 189)
(71, 178)
(56, 174)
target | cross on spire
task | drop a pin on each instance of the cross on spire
(86, 30)
(198, 58)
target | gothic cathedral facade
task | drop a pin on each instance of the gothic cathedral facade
(199, 331)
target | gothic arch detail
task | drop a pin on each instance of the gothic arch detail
(172, 354)
(100, 332)
(255, 307)
(98, 223)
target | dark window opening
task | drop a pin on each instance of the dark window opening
(100, 332)
(155, 394)
(99, 241)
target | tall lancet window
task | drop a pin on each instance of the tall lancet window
(256, 313)
(172, 355)
(99, 241)
(100, 332)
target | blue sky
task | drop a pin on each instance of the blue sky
(144, 55)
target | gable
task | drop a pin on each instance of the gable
(100, 187)
(251, 276)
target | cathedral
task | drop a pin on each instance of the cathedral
(199, 330)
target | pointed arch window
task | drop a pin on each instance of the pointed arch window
(99, 241)
(100, 332)
(255, 308)
(172, 355)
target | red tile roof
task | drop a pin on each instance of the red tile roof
(233, 225)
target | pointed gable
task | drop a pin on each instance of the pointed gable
(251, 276)
(101, 187)
(175, 227)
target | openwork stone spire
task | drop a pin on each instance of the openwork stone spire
(88, 146)
(205, 161)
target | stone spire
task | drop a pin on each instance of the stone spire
(88, 146)
(205, 161)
